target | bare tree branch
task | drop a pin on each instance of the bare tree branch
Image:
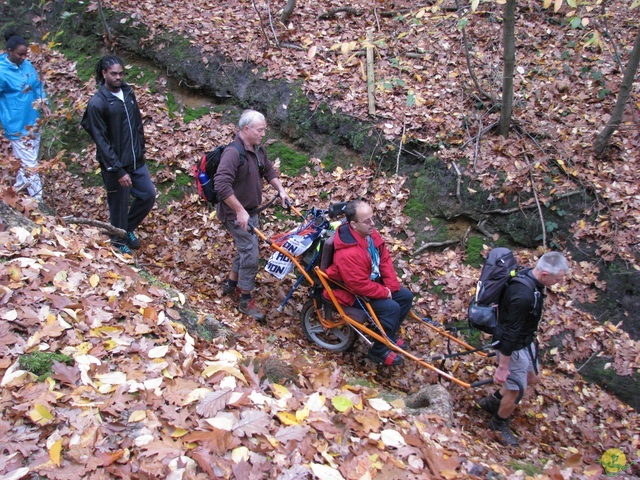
(108, 228)
(446, 243)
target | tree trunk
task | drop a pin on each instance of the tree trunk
(602, 140)
(288, 10)
(509, 43)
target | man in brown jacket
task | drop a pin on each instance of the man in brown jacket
(239, 181)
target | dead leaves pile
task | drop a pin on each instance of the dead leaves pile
(146, 398)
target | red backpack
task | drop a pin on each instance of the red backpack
(205, 170)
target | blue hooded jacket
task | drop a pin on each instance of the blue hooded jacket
(20, 86)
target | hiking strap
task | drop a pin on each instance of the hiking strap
(534, 358)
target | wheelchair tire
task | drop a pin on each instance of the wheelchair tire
(337, 339)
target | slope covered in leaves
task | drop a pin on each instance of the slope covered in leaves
(146, 398)
(569, 68)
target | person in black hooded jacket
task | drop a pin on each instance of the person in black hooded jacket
(113, 120)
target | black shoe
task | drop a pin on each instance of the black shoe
(248, 307)
(229, 290)
(132, 240)
(390, 358)
(502, 427)
(491, 404)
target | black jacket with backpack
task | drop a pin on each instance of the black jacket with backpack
(520, 312)
(116, 128)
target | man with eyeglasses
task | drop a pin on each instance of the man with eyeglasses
(113, 120)
(362, 263)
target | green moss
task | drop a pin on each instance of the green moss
(81, 50)
(175, 190)
(474, 251)
(191, 114)
(41, 363)
(172, 105)
(291, 161)
(139, 74)
(415, 207)
(329, 162)
(527, 468)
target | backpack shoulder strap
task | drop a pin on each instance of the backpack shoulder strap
(238, 146)
(525, 279)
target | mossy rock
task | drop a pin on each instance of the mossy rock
(292, 162)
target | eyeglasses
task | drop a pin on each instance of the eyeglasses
(368, 221)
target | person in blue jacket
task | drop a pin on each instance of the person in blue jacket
(21, 97)
(114, 121)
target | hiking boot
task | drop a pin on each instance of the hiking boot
(490, 404)
(123, 249)
(229, 290)
(502, 427)
(248, 307)
(390, 358)
(132, 241)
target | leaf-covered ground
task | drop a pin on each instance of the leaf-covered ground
(146, 399)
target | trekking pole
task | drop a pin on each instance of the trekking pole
(267, 205)
(294, 209)
(460, 354)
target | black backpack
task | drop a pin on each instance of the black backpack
(500, 268)
(208, 164)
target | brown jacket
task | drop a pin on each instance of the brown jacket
(244, 179)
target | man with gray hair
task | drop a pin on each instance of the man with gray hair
(238, 181)
(520, 312)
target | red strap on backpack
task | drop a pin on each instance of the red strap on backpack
(197, 168)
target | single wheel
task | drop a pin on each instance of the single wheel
(336, 339)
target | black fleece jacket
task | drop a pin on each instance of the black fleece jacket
(116, 128)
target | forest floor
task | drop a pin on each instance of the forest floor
(144, 397)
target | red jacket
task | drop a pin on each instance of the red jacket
(352, 266)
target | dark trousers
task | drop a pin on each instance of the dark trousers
(143, 193)
(391, 312)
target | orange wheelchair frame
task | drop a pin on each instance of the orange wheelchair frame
(324, 319)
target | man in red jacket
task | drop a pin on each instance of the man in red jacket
(362, 263)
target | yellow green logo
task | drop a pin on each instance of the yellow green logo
(614, 461)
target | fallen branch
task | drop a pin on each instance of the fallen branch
(459, 175)
(332, 14)
(273, 30)
(446, 243)
(470, 66)
(370, 76)
(528, 206)
(404, 126)
(482, 230)
(266, 37)
(480, 133)
(475, 155)
(588, 360)
(107, 32)
(535, 196)
(108, 228)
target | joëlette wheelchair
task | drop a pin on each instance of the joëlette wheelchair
(337, 327)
